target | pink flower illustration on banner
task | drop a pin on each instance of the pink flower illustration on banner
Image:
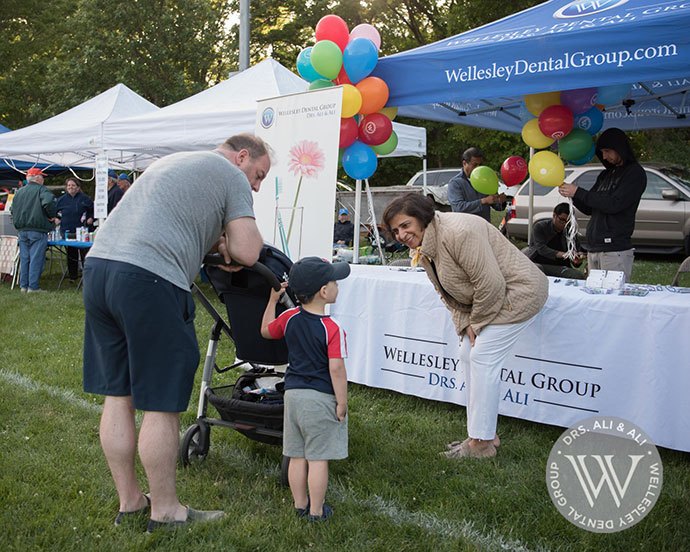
(306, 159)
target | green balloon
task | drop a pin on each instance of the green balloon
(320, 83)
(575, 145)
(485, 180)
(326, 59)
(388, 146)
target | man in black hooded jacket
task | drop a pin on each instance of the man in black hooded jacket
(612, 203)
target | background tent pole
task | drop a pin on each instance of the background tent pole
(358, 205)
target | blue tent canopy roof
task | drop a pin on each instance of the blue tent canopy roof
(479, 77)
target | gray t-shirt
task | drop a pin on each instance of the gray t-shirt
(174, 214)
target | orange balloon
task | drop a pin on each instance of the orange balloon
(374, 93)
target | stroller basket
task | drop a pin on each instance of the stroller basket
(257, 416)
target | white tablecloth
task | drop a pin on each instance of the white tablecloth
(585, 354)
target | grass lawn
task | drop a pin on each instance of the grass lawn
(394, 492)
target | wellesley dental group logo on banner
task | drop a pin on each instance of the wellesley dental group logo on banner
(582, 9)
(604, 475)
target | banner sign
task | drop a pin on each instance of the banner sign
(582, 355)
(100, 201)
(295, 206)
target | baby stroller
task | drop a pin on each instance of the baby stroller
(246, 406)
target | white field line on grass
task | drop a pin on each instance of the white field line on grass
(432, 524)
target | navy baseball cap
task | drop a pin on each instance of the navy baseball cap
(112, 173)
(123, 176)
(309, 275)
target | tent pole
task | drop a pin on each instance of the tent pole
(372, 215)
(358, 205)
(244, 34)
(530, 209)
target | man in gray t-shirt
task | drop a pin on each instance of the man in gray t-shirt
(140, 348)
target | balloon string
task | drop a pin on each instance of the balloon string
(571, 232)
(294, 206)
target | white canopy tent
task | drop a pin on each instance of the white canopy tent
(75, 136)
(206, 119)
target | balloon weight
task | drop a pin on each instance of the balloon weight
(513, 170)
(533, 137)
(547, 169)
(484, 179)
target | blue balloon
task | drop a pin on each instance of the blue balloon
(359, 161)
(612, 94)
(585, 158)
(359, 58)
(304, 66)
(591, 120)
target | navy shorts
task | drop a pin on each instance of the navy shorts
(139, 336)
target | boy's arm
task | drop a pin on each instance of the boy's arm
(336, 367)
(270, 312)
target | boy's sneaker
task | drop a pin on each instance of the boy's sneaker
(326, 513)
(301, 512)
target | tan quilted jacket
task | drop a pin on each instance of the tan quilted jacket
(481, 277)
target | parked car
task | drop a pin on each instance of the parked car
(662, 223)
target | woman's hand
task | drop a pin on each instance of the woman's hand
(470, 333)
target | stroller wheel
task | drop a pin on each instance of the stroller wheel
(284, 465)
(195, 444)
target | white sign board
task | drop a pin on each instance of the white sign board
(100, 202)
(294, 208)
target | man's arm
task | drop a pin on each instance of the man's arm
(541, 237)
(457, 197)
(627, 193)
(242, 242)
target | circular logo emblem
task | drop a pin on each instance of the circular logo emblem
(582, 8)
(268, 117)
(604, 474)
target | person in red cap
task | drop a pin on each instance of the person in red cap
(33, 211)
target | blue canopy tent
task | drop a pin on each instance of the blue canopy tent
(478, 78)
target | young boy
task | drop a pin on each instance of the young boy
(315, 422)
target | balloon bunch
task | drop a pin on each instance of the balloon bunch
(347, 58)
(571, 117)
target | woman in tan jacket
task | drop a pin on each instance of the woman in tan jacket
(492, 291)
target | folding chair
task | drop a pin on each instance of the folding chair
(9, 257)
(684, 267)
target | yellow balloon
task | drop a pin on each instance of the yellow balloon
(390, 112)
(547, 169)
(536, 103)
(534, 137)
(352, 101)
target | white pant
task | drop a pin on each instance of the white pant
(482, 366)
(612, 260)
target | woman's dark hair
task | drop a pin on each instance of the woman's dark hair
(411, 204)
(71, 179)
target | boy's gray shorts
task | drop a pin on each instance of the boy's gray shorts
(311, 429)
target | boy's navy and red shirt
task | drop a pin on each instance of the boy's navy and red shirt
(311, 341)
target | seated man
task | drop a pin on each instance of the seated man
(549, 246)
(343, 230)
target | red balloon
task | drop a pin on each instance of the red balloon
(375, 129)
(342, 77)
(348, 132)
(556, 121)
(514, 170)
(333, 28)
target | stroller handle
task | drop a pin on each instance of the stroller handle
(215, 259)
